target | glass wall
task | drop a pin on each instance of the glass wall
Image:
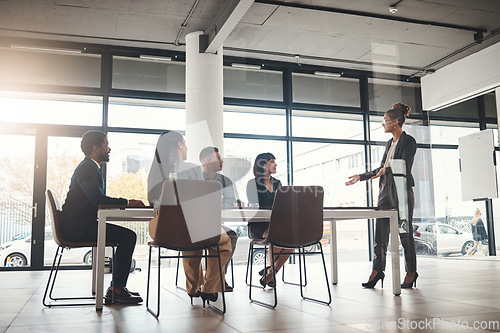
(253, 84)
(21, 66)
(327, 125)
(251, 120)
(149, 75)
(314, 89)
(16, 199)
(50, 109)
(383, 93)
(239, 157)
(63, 156)
(146, 114)
(317, 134)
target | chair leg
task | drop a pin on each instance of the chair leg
(150, 310)
(52, 281)
(177, 272)
(267, 305)
(326, 278)
(232, 273)
(305, 273)
(113, 276)
(223, 310)
(59, 257)
(250, 253)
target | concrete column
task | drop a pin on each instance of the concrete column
(204, 98)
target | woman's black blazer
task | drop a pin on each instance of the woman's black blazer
(405, 150)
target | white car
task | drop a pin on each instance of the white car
(441, 239)
(240, 256)
(17, 253)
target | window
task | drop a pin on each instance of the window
(447, 132)
(49, 68)
(239, 157)
(384, 93)
(327, 125)
(16, 199)
(148, 75)
(490, 105)
(466, 109)
(446, 184)
(247, 120)
(150, 114)
(447, 230)
(253, 84)
(325, 90)
(51, 109)
(413, 127)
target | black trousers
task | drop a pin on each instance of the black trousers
(126, 239)
(382, 230)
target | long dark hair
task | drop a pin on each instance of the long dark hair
(172, 139)
(258, 166)
(399, 112)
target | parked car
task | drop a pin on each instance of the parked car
(240, 256)
(18, 252)
(441, 239)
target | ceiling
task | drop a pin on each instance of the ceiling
(422, 36)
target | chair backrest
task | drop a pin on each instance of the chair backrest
(189, 215)
(55, 210)
(297, 216)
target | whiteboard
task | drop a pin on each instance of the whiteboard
(477, 166)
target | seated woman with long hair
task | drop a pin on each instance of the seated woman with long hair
(169, 163)
(262, 190)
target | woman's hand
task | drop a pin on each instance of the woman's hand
(352, 180)
(135, 203)
(380, 173)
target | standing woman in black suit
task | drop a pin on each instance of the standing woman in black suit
(402, 147)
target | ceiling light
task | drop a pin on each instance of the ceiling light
(330, 74)
(246, 66)
(45, 49)
(393, 8)
(155, 58)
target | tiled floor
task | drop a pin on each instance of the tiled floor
(452, 295)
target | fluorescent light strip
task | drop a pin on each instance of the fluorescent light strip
(156, 58)
(46, 49)
(328, 74)
(246, 66)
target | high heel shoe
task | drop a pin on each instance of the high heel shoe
(263, 281)
(371, 284)
(208, 297)
(197, 294)
(261, 272)
(264, 278)
(412, 283)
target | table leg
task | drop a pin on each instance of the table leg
(99, 277)
(94, 252)
(333, 251)
(396, 277)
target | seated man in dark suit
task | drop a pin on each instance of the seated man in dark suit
(79, 213)
(212, 164)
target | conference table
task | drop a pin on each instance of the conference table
(331, 214)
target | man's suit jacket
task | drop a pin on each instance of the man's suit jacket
(86, 193)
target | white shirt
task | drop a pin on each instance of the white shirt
(390, 153)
